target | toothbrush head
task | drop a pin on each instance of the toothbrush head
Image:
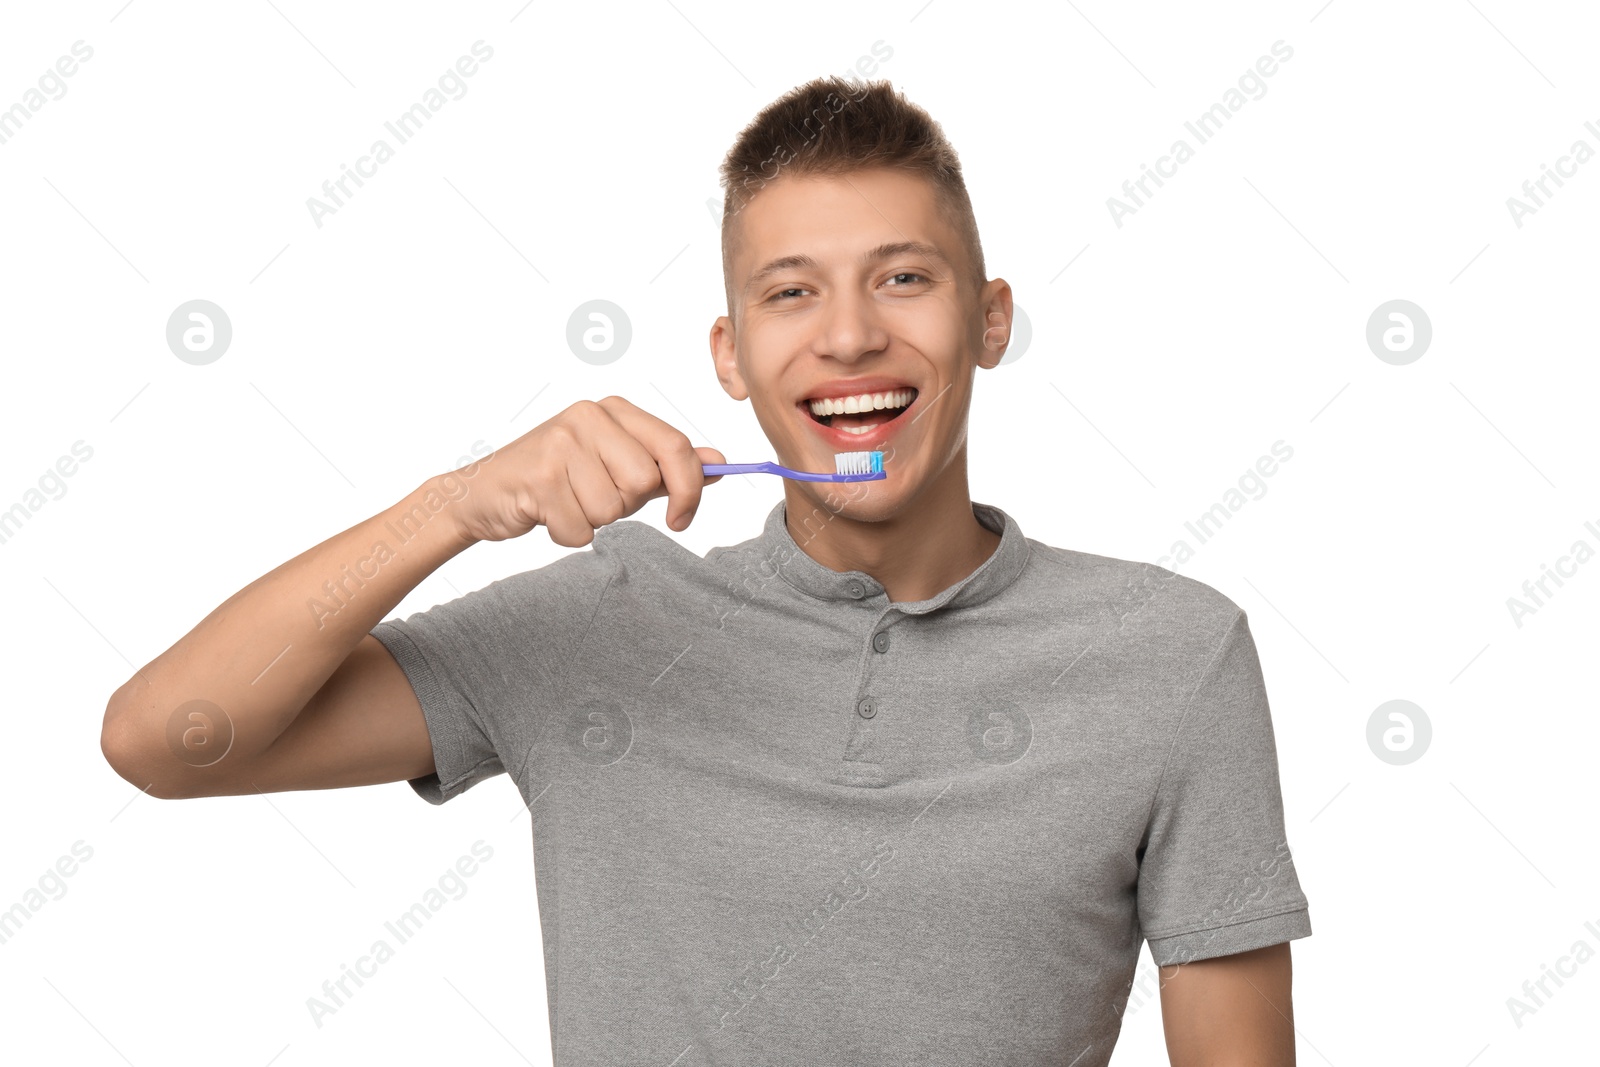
(858, 466)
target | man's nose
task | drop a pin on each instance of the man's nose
(850, 326)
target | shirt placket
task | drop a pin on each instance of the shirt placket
(871, 707)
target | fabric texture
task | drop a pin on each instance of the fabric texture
(778, 819)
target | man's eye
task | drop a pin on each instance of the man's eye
(908, 274)
(780, 293)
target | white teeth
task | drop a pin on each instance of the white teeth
(898, 398)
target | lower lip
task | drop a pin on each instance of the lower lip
(844, 441)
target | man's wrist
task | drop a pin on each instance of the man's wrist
(429, 518)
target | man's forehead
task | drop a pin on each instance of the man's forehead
(798, 203)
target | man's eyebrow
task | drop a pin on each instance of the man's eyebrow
(782, 263)
(884, 251)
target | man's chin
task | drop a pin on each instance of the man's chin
(871, 501)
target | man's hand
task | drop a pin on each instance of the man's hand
(590, 465)
(1230, 1011)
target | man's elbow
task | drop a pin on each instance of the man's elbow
(126, 749)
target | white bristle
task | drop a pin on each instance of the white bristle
(852, 463)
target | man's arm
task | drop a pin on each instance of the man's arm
(283, 679)
(1230, 1011)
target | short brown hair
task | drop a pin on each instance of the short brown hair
(832, 126)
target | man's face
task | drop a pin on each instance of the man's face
(854, 285)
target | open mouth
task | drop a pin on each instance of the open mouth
(860, 414)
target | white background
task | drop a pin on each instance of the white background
(429, 312)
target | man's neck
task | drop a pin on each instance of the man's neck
(930, 545)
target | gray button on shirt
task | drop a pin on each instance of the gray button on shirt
(765, 833)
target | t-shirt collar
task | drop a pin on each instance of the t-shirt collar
(812, 578)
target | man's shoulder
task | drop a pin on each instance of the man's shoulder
(636, 539)
(1128, 587)
(616, 552)
(639, 553)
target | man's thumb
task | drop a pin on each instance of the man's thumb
(710, 455)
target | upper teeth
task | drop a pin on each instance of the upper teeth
(844, 405)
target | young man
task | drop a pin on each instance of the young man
(888, 782)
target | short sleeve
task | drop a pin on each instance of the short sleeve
(1215, 872)
(485, 664)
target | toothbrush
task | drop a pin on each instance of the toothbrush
(850, 467)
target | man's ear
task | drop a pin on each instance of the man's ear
(995, 299)
(722, 357)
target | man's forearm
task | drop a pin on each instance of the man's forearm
(265, 651)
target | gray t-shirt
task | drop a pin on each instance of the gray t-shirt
(780, 820)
